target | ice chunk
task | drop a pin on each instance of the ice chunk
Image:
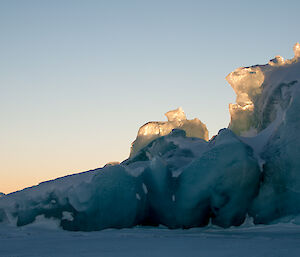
(261, 90)
(161, 158)
(219, 185)
(279, 194)
(159, 182)
(176, 115)
(274, 119)
(297, 50)
(112, 204)
(175, 149)
(108, 200)
(176, 119)
(246, 83)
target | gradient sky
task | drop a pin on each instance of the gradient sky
(78, 78)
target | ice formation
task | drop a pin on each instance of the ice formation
(176, 119)
(177, 178)
(261, 90)
(297, 50)
(219, 184)
(274, 123)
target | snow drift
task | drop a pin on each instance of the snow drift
(176, 177)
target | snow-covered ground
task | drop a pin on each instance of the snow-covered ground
(280, 240)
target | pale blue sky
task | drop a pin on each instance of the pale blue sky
(78, 78)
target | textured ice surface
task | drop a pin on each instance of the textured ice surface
(219, 185)
(280, 190)
(107, 199)
(164, 159)
(175, 177)
(261, 91)
(271, 127)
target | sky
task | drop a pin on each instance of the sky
(78, 78)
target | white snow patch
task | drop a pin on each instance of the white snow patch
(42, 222)
(67, 216)
(138, 196)
(145, 189)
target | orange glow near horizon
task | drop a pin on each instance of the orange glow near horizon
(12, 180)
(23, 171)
